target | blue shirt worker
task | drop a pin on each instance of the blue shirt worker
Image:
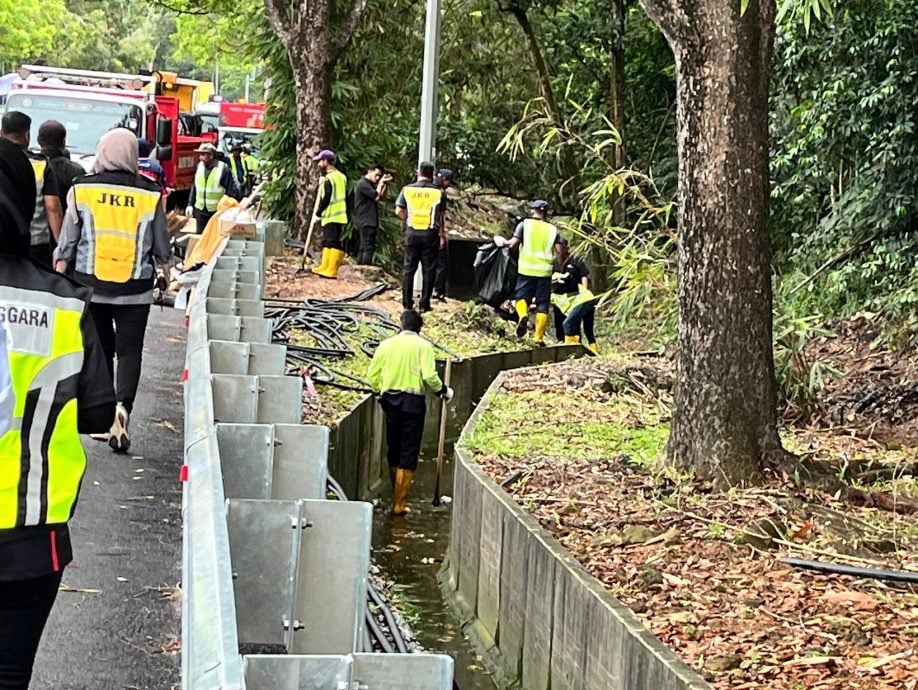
(402, 368)
(420, 206)
(331, 213)
(536, 239)
(212, 181)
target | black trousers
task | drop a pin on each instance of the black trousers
(404, 429)
(201, 218)
(367, 244)
(420, 248)
(24, 609)
(442, 263)
(121, 329)
(331, 236)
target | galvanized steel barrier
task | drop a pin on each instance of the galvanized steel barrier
(268, 563)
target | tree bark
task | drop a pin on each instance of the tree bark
(304, 28)
(724, 417)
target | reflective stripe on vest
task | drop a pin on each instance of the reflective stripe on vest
(41, 458)
(536, 249)
(336, 211)
(240, 169)
(422, 203)
(207, 187)
(38, 227)
(115, 222)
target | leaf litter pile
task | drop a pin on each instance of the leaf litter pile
(579, 447)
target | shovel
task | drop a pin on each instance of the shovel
(312, 224)
(441, 444)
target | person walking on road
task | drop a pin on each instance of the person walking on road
(369, 191)
(400, 371)
(331, 213)
(446, 178)
(46, 220)
(114, 229)
(536, 239)
(59, 388)
(52, 137)
(574, 304)
(212, 181)
(419, 205)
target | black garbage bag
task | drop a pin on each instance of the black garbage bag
(495, 274)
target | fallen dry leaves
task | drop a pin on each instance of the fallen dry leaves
(675, 554)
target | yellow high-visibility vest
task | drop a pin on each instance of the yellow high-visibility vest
(404, 363)
(41, 458)
(207, 187)
(116, 220)
(422, 203)
(336, 211)
(536, 251)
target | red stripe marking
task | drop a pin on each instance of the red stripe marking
(184, 375)
(183, 473)
(55, 563)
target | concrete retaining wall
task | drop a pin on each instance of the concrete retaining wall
(539, 619)
(357, 458)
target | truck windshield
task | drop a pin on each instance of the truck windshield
(86, 120)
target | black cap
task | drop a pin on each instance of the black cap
(446, 174)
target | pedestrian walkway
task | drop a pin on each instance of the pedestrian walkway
(127, 543)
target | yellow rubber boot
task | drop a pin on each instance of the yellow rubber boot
(541, 323)
(571, 339)
(322, 264)
(403, 479)
(522, 311)
(335, 257)
(593, 347)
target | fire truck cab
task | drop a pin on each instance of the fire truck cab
(157, 107)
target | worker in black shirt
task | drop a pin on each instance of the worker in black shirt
(52, 137)
(574, 304)
(419, 206)
(446, 178)
(369, 191)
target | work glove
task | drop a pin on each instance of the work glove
(189, 211)
(448, 394)
(500, 241)
(558, 277)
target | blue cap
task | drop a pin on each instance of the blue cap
(540, 205)
(324, 155)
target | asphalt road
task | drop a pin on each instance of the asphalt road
(127, 542)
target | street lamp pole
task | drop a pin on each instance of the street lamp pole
(427, 145)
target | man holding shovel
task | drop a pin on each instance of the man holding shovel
(400, 371)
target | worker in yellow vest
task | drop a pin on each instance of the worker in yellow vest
(332, 213)
(536, 239)
(420, 205)
(113, 231)
(212, 181)
(401, 371)
(60, 388)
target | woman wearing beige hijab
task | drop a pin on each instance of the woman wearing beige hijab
(113, 231)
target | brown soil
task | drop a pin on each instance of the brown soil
(703, 570)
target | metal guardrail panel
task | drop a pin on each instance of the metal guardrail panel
(281, 672)
(280, 399)
(267, 360)
(240, 263)
(234, 290)
(300, 467)
(232, 275)
(235, 398)
(223, 327)
(264, 538)
(402, 671)
(246, 453)
(227, 357)
(235, 307)
(331, 590)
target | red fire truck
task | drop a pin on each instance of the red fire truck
(240, 123)
(158, 107)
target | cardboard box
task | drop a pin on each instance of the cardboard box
(233, 228)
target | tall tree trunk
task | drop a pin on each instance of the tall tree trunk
(304, 28)
(312, 80)
(724, 416)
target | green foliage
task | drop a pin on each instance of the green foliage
(845, 158)
(800, 377)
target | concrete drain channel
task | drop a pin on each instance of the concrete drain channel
(268, 562)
